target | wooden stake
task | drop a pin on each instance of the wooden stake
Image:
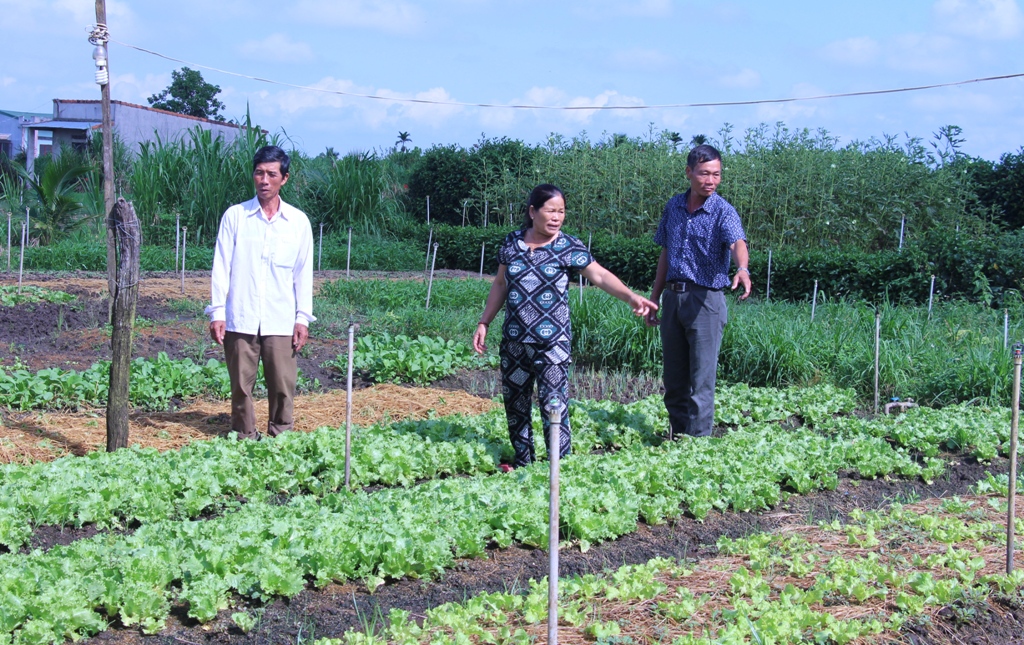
(878, 336)
(348, 406)
(108, 162)
(177, 239)
(1014, 420)
(348, 259)
(21, 258)
(184, 243)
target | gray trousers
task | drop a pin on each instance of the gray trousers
(691, 335)
(280, 370)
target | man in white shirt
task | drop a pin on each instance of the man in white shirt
(262, 294)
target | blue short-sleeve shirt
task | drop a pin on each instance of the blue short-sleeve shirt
(698, 243)
(537, 302)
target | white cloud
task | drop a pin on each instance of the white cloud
(384, 15)
(980, 18)
(278, 47)
(853, 51)
(931, 53)
(601, 9)
(7, 80)
(130, 88)
(640, 59)
(744, 79)
(553, 96)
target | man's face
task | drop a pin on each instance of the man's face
(704, 179)
(268, 180)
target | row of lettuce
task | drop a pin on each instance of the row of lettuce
(321, 532)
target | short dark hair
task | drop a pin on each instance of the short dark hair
(270, 154)
(538, 197)
(702, 154)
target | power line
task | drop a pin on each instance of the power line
(377, 97)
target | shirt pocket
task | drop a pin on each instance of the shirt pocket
(285, 251)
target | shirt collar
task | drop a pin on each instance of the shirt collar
(710, 204)
(252, 207)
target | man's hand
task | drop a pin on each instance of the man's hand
(651, 318)
(217, 329)
(742, 277)
(299, 336)
(642, 306)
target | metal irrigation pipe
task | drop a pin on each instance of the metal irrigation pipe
(348, 406)
(430, 281)
(878, 335)
(348, 260)
(554, 456)
(1014, 419)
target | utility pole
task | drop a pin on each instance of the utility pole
(99, 38)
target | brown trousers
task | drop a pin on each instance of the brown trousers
(280, 369)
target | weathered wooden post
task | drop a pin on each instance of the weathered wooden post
(124, 225)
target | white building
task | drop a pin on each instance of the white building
(74, 121)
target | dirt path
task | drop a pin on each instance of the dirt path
(44, 436)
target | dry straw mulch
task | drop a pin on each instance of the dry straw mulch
(44, 436)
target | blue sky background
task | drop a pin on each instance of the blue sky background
(596, 52)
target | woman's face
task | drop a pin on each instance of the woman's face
(548, 220)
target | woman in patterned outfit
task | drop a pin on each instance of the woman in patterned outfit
(534, 266)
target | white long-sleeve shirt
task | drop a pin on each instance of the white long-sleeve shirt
(262, 278)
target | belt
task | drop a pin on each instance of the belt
(682, 286)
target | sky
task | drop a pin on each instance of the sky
(552, 53)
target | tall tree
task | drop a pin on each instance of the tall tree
(403, 140)
(189, 94)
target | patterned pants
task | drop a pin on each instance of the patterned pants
(521, 365)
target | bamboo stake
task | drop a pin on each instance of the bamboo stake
(177, 239)
(485, 213)
(554, 457)
(320, 250)
(428, 217)
(8, 242)
(483, 251)
(768, 283)
(464, 204)
(21, 257)
(878, 335)
(903, 226)
(814, 300)
(348, 406)
(1014, 420)
(430, 282)
(1006, 329)
(184, 243)
(348, 260)
(931, 295)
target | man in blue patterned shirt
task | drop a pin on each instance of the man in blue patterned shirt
(698, 233)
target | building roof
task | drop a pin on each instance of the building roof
(153, 109)
(15, 113)
(64, 125)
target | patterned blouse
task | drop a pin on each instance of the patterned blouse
(698, 243)
(537, 303)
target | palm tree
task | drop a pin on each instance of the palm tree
(58, 207)
(675, 140)
(403, 139)
(698, 140)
